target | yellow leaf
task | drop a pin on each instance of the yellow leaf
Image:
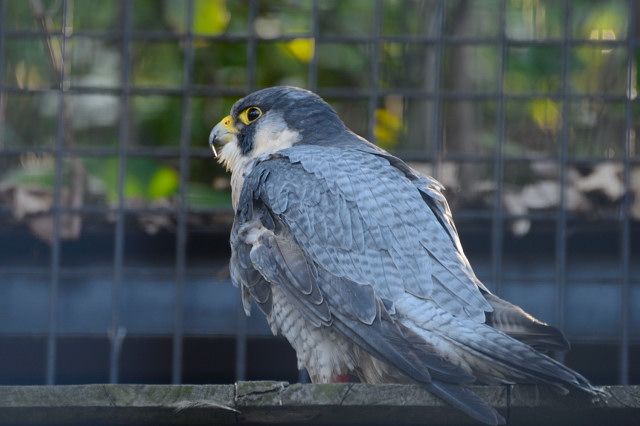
(302, 48)
(545, 113)
(163, 183)
(387, 128)
(211, 17)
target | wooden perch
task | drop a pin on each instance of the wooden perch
(283, 403)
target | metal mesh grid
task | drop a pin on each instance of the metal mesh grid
(431, 41)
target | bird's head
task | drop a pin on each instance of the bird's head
(273, 119)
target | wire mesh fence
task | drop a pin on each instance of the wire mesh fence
(114, 218)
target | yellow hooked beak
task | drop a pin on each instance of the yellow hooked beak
(222, 133)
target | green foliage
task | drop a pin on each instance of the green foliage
(145, 178)
(210, 17)
(222, 49)
(201, 195)
(534, 69)
(155, 120)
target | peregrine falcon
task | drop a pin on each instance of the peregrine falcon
(353, 256)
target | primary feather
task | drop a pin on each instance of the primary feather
(354, 258)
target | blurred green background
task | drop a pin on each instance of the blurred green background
(443, 84)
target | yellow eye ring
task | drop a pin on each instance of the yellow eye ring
(249, 115)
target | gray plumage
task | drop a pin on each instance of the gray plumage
(354, 258)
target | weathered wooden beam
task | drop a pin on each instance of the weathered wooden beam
(283, 403)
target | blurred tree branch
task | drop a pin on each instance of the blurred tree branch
(70, 224)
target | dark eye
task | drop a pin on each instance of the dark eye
(249, 115)
(253, 113)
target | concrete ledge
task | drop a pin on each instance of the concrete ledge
(282, 403)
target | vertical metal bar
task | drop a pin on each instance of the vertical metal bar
(252, 59)
(315, 35)
(374, 70)
(241, 342)
(437, 92)
(252, 46)
(625, 226)
(181, 234)
(498, 172)
(117, 332)
(3, 25)
(57, 204)
(561, 217)
(303, 375)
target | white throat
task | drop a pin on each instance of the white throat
(271, 135)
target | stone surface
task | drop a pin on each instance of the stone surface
(283, 403)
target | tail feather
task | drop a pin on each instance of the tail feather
(515, 322)
(518, 361)
(466, 401)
